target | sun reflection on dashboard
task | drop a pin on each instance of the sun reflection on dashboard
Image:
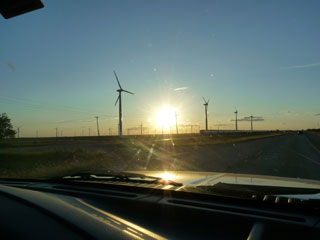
(166, 176)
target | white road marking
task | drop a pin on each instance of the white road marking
(312, 145)
(305, 157)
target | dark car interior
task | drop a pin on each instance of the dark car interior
(84, 210)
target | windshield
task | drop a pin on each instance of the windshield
(211, 87)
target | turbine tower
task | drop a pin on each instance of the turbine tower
(206, 111)
(120, 90)
(18, 131)
(236, 112)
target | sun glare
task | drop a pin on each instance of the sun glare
(167, 176)
(165, 118)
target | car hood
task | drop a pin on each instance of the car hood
(195, 179)
(190, 178)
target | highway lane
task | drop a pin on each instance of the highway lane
(290, 155)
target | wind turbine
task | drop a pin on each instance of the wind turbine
(254, 118)
(120, 90)
(18, 131)
(236, 112)
(206, 111)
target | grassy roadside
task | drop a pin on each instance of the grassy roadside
(51, 163)
(316, 133)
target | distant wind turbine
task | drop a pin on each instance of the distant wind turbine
(18, 131)
(254, 118)
(206, 103)
(120, 90)
(236, 112)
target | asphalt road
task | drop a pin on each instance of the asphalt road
(290, 155)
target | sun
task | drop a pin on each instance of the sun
(165, 117)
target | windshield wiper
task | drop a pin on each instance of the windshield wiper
(118, 177)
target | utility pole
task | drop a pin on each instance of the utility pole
(141, 129)
(251, 123)
(98, 126)
(56, 132)
(175, 114)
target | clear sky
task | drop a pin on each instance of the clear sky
(263, 58)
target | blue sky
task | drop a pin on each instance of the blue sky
(262, 57)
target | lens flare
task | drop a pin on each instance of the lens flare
(166, 176)
(165, 118)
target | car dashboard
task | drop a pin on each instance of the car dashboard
(84, 210)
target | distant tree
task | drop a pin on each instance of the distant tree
(6, 129)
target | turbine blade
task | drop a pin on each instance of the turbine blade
(204, 100)
(117, 79)
(128, 92)
(117, 100)
(208, 100)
